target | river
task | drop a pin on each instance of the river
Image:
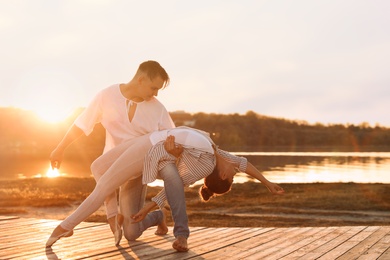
(281, 167)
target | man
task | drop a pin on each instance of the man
(126, 111)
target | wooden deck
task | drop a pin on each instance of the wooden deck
(24, 238)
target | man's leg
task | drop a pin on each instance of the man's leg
(174, 190)
(131, 199)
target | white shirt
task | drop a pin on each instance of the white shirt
(191, 139)
(109, 108)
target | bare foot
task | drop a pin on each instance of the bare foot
(180, 244)
(162, 228)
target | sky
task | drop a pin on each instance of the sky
(319, 61)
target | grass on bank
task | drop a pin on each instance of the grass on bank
(248, 204)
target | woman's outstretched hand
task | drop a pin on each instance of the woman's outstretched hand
(274, 188)
(173, 148)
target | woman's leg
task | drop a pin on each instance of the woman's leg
(131, 199)
(128, 166)
(101, 165)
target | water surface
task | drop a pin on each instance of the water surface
(280, 167)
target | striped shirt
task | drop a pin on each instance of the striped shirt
(194, 164)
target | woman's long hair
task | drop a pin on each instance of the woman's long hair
(214, 186)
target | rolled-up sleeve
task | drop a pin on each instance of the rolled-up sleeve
(242, 162)
(92, 115)
(160, 199)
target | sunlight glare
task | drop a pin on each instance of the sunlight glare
(51, 115)
(52, 93)
(52, 173)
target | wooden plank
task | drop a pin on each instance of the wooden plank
(364, 245)
(35, 242)
(344, 233)
(145, 244)
(197, 243)
(24, 238)
(317, 241)
(281, 242)
(227, 242)
(347, 245)
(385, 255)
(285, 249)
(378, 250)
(250, 245)
(323, 236)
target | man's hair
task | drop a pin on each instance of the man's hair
(153, 69)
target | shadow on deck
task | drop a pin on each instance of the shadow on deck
(25, 238)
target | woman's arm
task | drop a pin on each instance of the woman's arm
(272, 187)
(143, 212)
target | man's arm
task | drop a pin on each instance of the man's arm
(57, 154)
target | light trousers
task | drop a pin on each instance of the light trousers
(132, 197)
(131, 200)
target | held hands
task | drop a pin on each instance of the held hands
(172, 148)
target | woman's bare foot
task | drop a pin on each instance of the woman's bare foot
(180, 244)
(162, 228)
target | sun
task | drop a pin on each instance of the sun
(51, 114)
(51, 93)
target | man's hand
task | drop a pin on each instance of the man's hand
(56, 159)
(173, 148)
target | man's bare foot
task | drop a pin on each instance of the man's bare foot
(180, 244)
(162, 228)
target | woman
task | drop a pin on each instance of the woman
(217, 183)
(197, 161)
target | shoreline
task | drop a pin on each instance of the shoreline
(247, 204)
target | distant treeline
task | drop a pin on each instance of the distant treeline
(254, 132)
(23, 133)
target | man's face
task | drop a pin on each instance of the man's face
(150, 88)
